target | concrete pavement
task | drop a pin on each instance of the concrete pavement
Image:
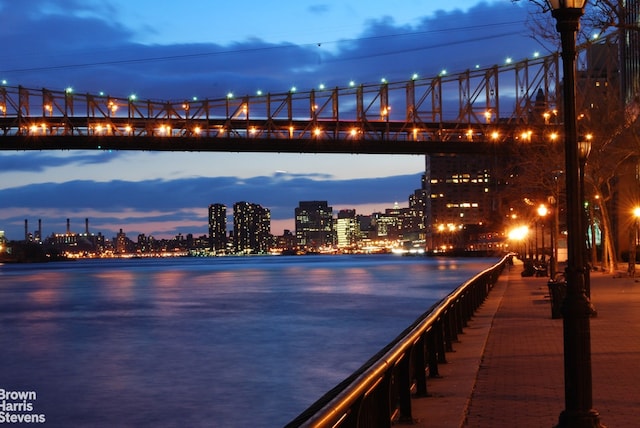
(507, 369)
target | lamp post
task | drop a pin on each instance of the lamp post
(634, 242)
(578, 410)
(552, 233)
(584, 149)
(554, 202)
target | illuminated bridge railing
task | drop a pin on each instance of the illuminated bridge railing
(477, 105)
(379, 393)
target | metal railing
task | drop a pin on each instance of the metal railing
(379, 393)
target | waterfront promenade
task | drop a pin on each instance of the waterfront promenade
(507, 369)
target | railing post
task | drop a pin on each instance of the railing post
(435, 349)
(420, 365)
(443, 344)
(404, 388)
(449, 328)
(456, 324)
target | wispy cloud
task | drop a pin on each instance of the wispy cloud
(109, 61)
(181, 204)
(319, 9)
(41, 161)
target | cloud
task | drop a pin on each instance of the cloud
(319, 9)
(41, 161)
(180, 206)
(44, 50)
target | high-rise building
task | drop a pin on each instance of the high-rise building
(314, 225)
(347, 229)
(459, 192)
(390, 225)
(251, 228)
(122, 242)
(417, 224)
(217, 228)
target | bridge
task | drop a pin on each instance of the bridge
(466, 112)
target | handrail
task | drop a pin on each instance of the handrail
(380, 390)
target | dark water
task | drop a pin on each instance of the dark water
(228, 342)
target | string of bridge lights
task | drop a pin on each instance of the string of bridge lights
(230, 95)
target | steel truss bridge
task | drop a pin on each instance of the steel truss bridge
(467, 112)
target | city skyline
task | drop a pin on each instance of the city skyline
(81, 226)
(124, 48)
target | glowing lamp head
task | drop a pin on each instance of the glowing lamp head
(542, 210)
(566, 4)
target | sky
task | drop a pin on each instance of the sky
(164, 50)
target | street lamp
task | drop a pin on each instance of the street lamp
(519, 234)
(542, 213)
(578, 410)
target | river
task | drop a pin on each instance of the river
(203, 342)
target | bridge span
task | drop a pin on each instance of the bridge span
(467, 112)
(470, 112)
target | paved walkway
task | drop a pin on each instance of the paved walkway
(507, 369)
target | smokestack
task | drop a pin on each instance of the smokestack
(68, 227)
(40, 229)
(86, 226)
(26, 229)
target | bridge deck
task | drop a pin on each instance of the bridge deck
(507, 369)
(245, 145)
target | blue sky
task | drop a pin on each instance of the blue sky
(163, 50)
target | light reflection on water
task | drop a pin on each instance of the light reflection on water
(231, 342)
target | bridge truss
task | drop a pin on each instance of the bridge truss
(465, 112)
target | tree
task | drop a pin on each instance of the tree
(604, 108)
